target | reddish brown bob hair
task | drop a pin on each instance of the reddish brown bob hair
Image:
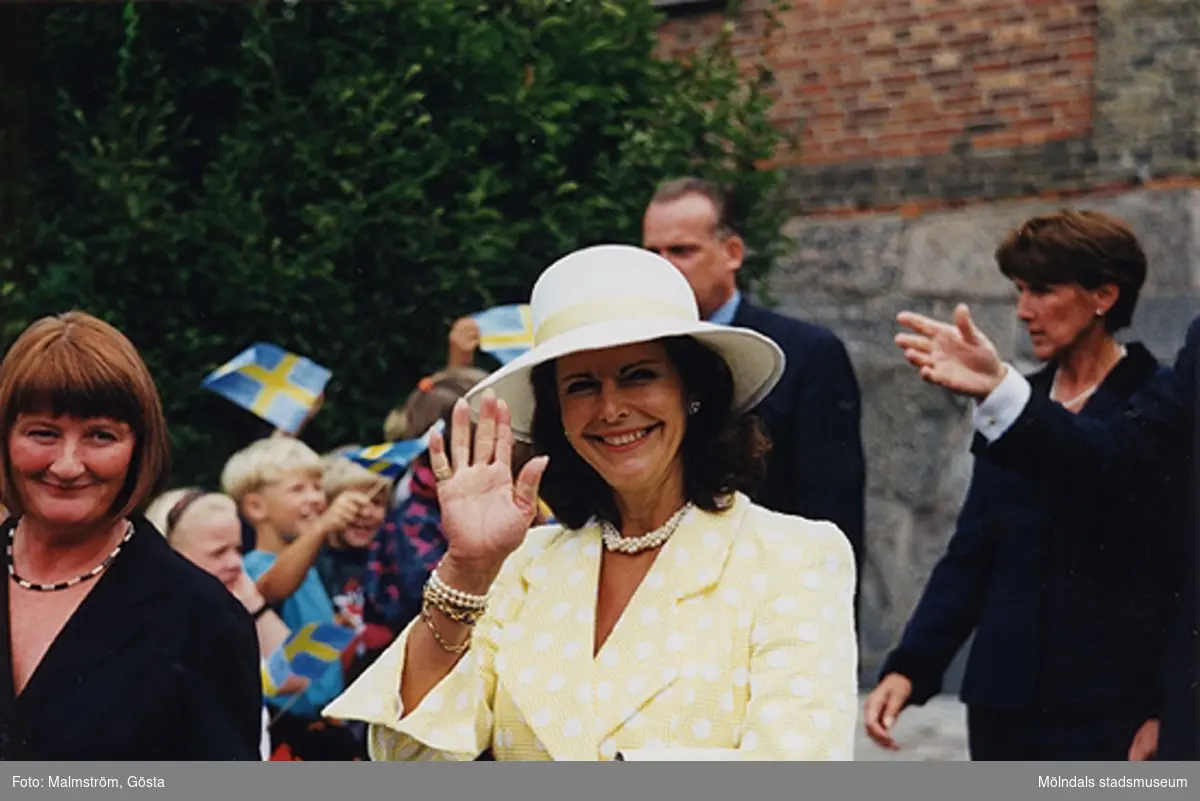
(76, 365)
(1088, 248)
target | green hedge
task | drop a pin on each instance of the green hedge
(345, 179)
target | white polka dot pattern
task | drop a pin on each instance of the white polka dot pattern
(805, 658)
(741, 637)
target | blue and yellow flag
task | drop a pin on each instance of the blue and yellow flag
(505, 331)
(278, 386)
(308, 652)
(391, 459)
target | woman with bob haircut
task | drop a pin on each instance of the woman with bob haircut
(1067, 590)
(665, 613)
(113, 647)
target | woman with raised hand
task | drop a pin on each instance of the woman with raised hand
(1065, 583)
(664, 610)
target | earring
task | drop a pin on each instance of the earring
(1099, 312)
(693, 407)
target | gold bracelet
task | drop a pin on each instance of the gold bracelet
(467, 617)
(448, 647)
(452, 604)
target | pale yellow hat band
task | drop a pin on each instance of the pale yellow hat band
(605, 310)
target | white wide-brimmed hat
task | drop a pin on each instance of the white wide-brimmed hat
(611, 295)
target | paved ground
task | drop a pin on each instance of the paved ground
(935, 732)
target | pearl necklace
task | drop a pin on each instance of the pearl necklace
(613, 540)
(62, 585)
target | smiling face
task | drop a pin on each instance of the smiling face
(623, 412)
(362, 530)
(67, 471)
(1060, 316)
(288, 504)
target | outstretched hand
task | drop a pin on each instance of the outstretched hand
(485, 514)
(958, 357)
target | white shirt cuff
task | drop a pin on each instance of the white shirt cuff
(999, 410)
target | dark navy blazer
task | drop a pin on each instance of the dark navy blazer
(159, 662)
(816, 467)
(1067, 592)
(1156, 433)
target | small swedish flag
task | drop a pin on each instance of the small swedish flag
(505, 332)
(308, 652)
(391, 459)
(278, 386)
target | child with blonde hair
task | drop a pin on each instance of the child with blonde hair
(277, 485)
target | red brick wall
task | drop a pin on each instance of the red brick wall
(876, 79)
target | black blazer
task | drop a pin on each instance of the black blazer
(159, 662)
(1067, 593)
(816, 467)
(1157, 433)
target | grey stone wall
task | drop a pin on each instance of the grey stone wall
(854, 275)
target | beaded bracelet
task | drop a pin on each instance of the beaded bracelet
(456, 597)
(443, 604)
(448, 647)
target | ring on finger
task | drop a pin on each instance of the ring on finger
(443, 472)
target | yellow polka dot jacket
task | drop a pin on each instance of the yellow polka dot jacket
(741, 637)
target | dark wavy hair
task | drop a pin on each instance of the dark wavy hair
(723, 451)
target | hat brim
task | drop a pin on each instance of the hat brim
(755, 362)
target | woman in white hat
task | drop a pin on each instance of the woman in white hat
(665, 613)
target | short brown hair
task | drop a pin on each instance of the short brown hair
(723, 451)
(1088, 248)
(722, 203)
(79, 366)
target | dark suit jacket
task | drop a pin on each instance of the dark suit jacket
(1067, 594)
(1156, 435)
(159, 662)
(816, 467)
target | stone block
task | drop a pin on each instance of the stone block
(889, 527)
(1165, 224)
(1160, 323)
(952, 255)
(848, 257)
(908, 428)
(1193, 206)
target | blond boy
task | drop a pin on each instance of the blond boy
(276, 483)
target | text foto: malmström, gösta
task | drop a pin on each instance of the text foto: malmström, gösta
(104, 782)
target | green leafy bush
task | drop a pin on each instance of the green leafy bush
(345, 179)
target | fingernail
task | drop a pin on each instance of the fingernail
(889, 721)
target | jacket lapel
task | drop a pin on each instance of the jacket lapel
(110, 619)
(644, 654)
(571, 701)
(544, 661)
(743, 316)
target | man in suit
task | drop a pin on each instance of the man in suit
(816, 467)
(1041, 438)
